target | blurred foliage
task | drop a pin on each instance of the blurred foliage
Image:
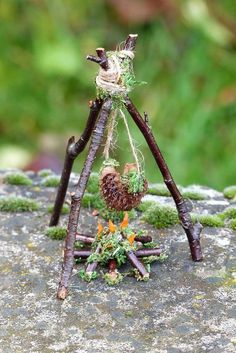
(186, 53)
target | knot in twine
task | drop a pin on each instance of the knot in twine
(117, 79)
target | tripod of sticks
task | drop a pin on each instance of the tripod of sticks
(100, 110)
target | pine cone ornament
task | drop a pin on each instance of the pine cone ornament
(125, 192)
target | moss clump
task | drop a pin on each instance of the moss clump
(233, 224)
(17, 204)
(17, 179)
(161, 216)
(144, 205)
(45, 172)
(92, 201)
(113, 278)
(229, 213)
(159, 190)
(51, 181)
(230, 192)
(93, 184)
(88, 276)
(194, 195)
(208, 220)
(56, 233)
(116, 216)
(65, 209)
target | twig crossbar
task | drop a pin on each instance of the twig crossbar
(100, 110)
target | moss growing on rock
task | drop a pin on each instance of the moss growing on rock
(51, 181)
(92, 201)
(233, 224)
(93, 184)
(116, 216)
(65, 209)
(230, 192)
(229, 213)
(159, 190)
(194, 195)
(17, 204)
(208, 220)
(45, 172)
(161, 216)
(144, 205)
(17, 178)
(56, 233)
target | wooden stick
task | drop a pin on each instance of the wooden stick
(192, 231)
(77, 196)
(72, 151)
(93, 265)
(137, 264)
(148, 252)
(130, 42)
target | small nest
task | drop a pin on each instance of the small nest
(125, 192)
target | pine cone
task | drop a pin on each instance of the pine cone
(115, 193)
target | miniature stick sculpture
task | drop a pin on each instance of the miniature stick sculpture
(114, 81)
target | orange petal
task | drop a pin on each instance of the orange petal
(131, 238)
(100, 228)
(125, 221)
(112, 227)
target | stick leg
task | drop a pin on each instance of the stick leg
(192, 231)
(76, 199)
(72, 151)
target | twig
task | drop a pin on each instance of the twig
(82, 253)
(137, 264)
(130, 42)
(192, 230)
(101, 59)
(93, 265)
(84, 239)
(76, 198)
(72, 151)
(148, 252)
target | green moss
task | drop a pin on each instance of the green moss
(159, 190)
(17, 204)
(144, 205)
(88, 276)
(133, 181)
(51, 181)
(230, 192)
(93, 183)
(45, 172)
(161, 216)
(208, 220)
(56, 233)
(65, 209)
(17, 179)
(229, 213)
(116, 216)
(92, 201)
(233, 224)
(193, 195)
(113, 278)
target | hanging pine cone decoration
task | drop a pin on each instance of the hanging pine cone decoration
(125, 192)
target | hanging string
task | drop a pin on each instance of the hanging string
(133, 149)
(110, 134)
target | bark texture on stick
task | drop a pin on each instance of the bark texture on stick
(192, 231)
(76, 198)
(93, 265)
(137, 264)
(72, 151)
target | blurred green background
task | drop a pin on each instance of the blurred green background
(186, 52)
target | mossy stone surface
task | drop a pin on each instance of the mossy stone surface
(161, 216)
(18, 204)
(17, 178)
(208, 220)
(230, 191)
(56, 233)
(51, 181)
